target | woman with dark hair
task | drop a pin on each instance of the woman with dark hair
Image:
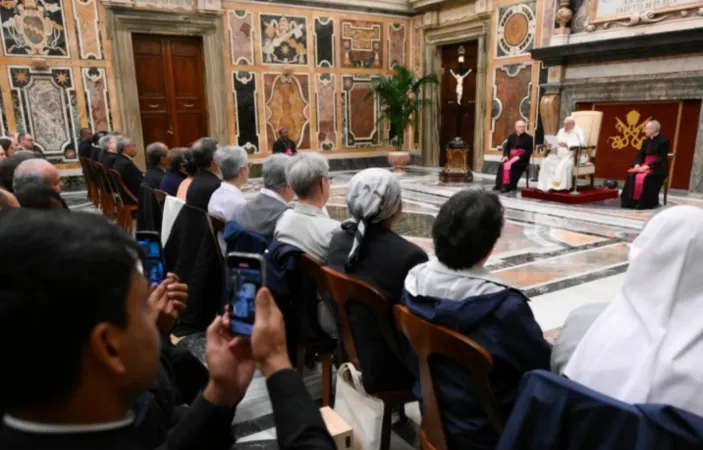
(174, 172)
(190, 167)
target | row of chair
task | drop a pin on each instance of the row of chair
(105, 191)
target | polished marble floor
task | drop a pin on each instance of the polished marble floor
(562, 256)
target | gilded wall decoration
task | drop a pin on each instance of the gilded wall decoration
(516, 29)
(288, 106)
(326, 111)
(361, 44)
(284, 39)
(630, 134)
(511, 99)
(241, 37)
(86, 21)
(33, 27)
(246, 112)
(360, 115)
(46, 101)
(97, 99)
(396, 45)
(324, 42)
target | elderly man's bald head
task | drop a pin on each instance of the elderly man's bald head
(37, 171)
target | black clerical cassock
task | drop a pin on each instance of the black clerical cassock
(641, 189)
(518, 149)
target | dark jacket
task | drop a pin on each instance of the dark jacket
(95, 153)
(107, 159)
(204, 184)
(524, 141)
(553, 413)
(153, 177)
(238, 239)
(384, 260)
(658, 145)
(261, 214)
(503, 324)
(171, 181)
(150, 211)
(192, 252)
(131, 177)
(85, 148)
(282, 146)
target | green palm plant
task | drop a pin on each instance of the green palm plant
(400, 96)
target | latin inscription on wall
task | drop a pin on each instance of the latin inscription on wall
(610, 8)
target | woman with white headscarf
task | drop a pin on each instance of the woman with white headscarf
(368, 249)
(647, 345)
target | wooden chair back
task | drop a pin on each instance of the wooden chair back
(160, 196)
(124, 210)
(429, 339)
(217, 226)
(120, 188)
(107, 198)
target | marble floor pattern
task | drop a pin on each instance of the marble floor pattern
(561, 256)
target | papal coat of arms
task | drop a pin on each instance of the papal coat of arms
(33, 27)
(283, 39)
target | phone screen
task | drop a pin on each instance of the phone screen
(154, 270)
(245, 280)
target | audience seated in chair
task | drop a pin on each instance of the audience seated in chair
(8, 166)
(132, 177)
(37, 171)
(108, 153)
(457, 292)
(208, 179)
(234, 168)
(645, 347)
(260, 214)
(156, 164)
(517, 150)
(366, 248)
(571, 333)
(175, 172)
(191, 169)
(99, 140)
(8, 147)
(85, 145)
(40, 196)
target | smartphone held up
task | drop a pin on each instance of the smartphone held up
(246, 274)
(150, 242)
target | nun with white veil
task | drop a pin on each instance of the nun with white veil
(647, 345)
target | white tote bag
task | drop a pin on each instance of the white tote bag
(361, 411)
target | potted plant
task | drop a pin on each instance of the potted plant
(400, 97)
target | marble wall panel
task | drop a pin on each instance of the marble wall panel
(97, 98)
(241, 37)
(246, 112)
(45, 103)
(288, 106)
(361, 44)
(171, 5)
(284, 39)
(326, 111)
(511, 99)
(516, 29)
(35, 28)
(4, 130)
(360, 114)
(324, 42)
(417, 40)
(397, 39)
(86, 21)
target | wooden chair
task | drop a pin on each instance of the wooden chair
(429, 339)
(107, 196)
(160, 197)
(346, 289)
(667, 180)
(125, 211)
(217, 226)
(93, 195)
(317, 272)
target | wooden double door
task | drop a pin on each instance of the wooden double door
(171, 88)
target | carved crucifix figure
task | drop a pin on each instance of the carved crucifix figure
(459, 84)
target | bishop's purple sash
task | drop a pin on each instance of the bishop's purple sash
(514, 156)
(639, 178)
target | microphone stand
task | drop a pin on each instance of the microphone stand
(577, 158)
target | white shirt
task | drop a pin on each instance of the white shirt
(226, 201)
(307, 228)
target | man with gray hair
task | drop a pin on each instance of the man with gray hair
(307, 226)
(155, 164)
(648, 172)
(229, 198)
(36, 171)
(108, 144)
(132, 177)
(261, 213)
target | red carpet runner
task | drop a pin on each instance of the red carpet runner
(588, 195)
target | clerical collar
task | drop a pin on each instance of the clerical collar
(43, 428)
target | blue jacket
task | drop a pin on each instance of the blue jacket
(553, 413)
(238, 239)
(502, 323)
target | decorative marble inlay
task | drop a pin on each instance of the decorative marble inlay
(396, 45)
(324, 42)
(247, 117)
(241, 37)
(47, 106)
(361, 44)
(288, 106)
(511, 99)
(97, 98)
(33, 27)
(284, 39)
(417, 46)
(360, 114)
(326, 111)
(86, 20)
(516, 29)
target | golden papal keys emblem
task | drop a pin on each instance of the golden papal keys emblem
(632, 132)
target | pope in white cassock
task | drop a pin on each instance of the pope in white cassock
(557, 169)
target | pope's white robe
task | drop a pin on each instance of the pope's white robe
(557, 169)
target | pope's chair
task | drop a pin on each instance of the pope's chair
(590, 123)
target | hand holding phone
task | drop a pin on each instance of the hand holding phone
(246, 274)
(150, 242)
